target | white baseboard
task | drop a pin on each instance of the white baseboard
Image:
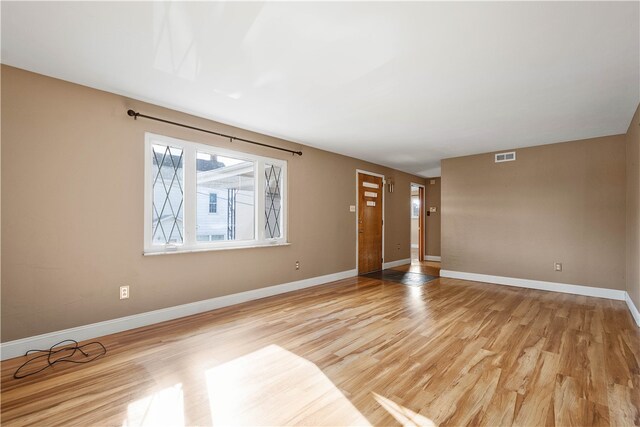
(19, 347)
(632, 308)
(396, 263)
(538, 284)
(432, 258)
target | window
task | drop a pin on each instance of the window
(186, 182)
(213, 203)
(273, 200)
(167, 174)
(415, 206)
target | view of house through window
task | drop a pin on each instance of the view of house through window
(204, 196)
(231, 182)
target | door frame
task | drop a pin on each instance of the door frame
(424, 219)
(364, 172)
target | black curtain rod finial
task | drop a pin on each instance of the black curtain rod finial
(133, 114)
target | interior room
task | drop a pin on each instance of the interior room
(417, 222)
(320, 213)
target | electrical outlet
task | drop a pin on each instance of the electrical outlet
(124, 292)
(297, 265)
(557, 266)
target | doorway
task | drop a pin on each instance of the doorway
(370, 221)
(417, 223)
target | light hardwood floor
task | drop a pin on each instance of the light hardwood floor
(357, 352)
(426, 267)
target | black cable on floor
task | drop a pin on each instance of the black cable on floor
(56, 355)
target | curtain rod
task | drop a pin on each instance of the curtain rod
(135, 116)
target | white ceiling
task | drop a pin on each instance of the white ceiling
(400, 84)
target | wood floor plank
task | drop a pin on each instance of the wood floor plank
(520, 374)
(358, 351)
(624, 406)
(532, 409)
(500, 410)
(555, 334)
(569, 407)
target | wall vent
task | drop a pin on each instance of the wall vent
(506, 157)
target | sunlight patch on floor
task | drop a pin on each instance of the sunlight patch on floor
(404, 416)
(245, 390)
(163, 408)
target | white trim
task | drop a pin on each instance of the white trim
(382, 190)
(19, 347)
(366, 172)
(432, 258)
(226, 248)
(538, 284)
(633, 309)
(414, 246)
(396, 263)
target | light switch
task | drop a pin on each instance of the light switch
(352, 208)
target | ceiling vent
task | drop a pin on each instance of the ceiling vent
(506, 157)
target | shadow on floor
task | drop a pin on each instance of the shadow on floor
(403, 277)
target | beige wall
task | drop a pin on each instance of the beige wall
(433, 220)
(72, 212)
(633, 209)
(561, 202)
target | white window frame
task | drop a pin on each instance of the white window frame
(190, 244)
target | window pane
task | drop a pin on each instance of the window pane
(213, 203)
(168, 195)
(229, 183)
(415, 206)
(273, 201)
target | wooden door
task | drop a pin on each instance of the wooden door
(370, 190)
(421, 235)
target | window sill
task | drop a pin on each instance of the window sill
(226, 248)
